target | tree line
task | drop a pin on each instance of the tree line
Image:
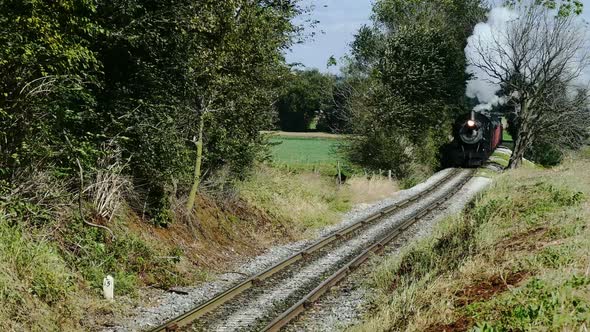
(166, 93)
(90, 83)
(406, 81)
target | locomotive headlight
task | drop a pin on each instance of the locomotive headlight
(470, 123)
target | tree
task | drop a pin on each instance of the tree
(47, 72)
(538, 59)
(307, 95)
(411, 66)
(134, 75)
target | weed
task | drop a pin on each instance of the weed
(528, 225)
(35, 284)
(550, 306)
(306, 201)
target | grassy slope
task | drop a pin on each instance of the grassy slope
(519, 260)
(52, 265)
(306, 201)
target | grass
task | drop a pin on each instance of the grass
(306, 153)
(501, 158)
(52, 264)
(306, 201)
(52, 267)
(36, 285)
(519, 260)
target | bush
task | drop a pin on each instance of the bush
(36, 284)
(545, 154)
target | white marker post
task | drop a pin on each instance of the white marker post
(108, 288)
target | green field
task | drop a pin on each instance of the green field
(314, 153)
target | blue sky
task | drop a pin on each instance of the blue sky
(339, 21)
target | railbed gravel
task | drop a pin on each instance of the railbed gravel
(170, 305)
(345, 305)
(253, 310)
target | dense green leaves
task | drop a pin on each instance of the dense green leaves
(412, 63)
(307, 95)
(563, 7)
(83, 79)
(46, 68)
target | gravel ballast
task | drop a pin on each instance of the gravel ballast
(345, 305)
(251, 310)
(171, 304)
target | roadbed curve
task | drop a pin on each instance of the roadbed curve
(346, 304)
(252, 309)
(170, 305)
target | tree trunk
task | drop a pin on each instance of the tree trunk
(518, 153)
(197, 176)
(524, 138)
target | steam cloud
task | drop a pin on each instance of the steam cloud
(485, 36)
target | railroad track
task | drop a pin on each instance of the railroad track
(284, 290)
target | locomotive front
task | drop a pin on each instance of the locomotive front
(471, 132)
(476, 136)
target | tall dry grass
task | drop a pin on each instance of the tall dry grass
(519, 260)
(305, 201)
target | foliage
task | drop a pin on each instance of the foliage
(130, 260)
(306, 97)
(36, 284)
(53, 263)
(79, 76)
(564, 7)
(46, 68)
(412, 67)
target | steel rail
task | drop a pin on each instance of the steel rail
(287, 316)
(224, 297)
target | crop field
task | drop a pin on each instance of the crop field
(306, 152)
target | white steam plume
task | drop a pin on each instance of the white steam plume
(490, 36)
(485, 37)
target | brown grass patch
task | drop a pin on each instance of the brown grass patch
(525, 241)
(460, 325)
(476, 292)
(367, 190)
(486, 289)
(217, 235)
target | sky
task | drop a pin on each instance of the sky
(339, 21)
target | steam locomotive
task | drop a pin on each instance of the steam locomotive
(475, 137)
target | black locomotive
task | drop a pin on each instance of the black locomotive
(475, 137)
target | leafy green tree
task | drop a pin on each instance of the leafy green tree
(307, 95)
(83, 78)
(47, 73)
(413, 62)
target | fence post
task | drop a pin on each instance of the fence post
(389, 175)
(339, 174)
